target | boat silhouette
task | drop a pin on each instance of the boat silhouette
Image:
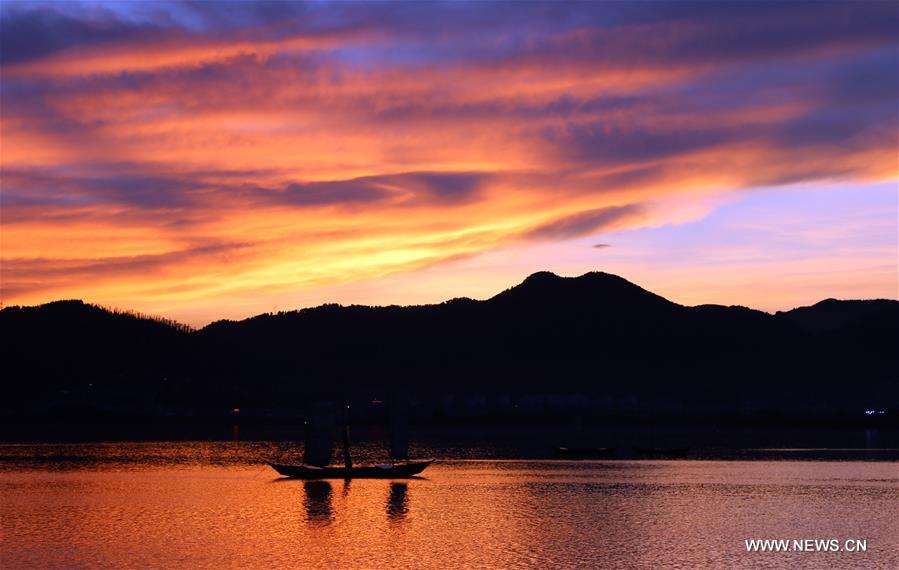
(386, 471)
(319, 449)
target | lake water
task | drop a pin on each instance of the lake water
(207, 505)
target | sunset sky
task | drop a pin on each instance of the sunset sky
(200, 160)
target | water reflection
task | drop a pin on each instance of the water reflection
(319, 506)
(398, 501)
(317, 501)
(646, 514)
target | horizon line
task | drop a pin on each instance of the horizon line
(175, 322)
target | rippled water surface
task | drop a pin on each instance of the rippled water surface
(203, 505)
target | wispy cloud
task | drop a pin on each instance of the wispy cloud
(342, 141)
(584, 223)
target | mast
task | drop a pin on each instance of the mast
(319, 440)
(399, 427)
(347, 460)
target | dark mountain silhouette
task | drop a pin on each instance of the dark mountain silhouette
(70, 350)
(593, 345)
(832, 314)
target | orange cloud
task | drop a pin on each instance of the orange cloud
(169, 166)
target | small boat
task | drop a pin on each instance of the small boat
(584, 452)
(320, 445)
(664, 453)
(387, 471)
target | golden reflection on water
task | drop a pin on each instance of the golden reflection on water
(488, 514)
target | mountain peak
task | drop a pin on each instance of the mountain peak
(591, 277)
(541, 277)
(832, 314)
(594, 289)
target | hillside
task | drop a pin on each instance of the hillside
(595, 344)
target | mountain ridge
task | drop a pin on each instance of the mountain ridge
(825, 304)
(597, 336)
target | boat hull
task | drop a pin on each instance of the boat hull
(400, 471)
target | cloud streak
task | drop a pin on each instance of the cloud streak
(584, 223)
(338, 142)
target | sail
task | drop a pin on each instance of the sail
(399, 428)
(319, 440)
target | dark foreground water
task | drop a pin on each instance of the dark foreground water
(208, 505)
